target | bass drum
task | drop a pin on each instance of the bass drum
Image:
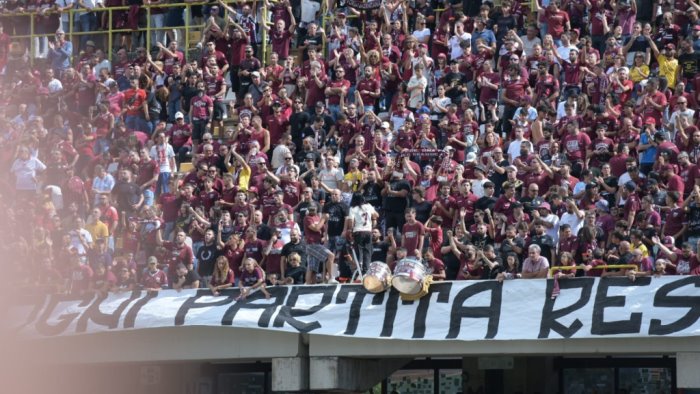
(409, 275)
(378, 277)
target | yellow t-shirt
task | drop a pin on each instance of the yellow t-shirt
(355, 178)
(97, 230)
(244, 178)
(667, 69)
(638, 74)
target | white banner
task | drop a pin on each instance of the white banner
(465, 310)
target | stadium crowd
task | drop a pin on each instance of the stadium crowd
(490, 141)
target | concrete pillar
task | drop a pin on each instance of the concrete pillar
(349, 374)
(687, 376)
(290, 374)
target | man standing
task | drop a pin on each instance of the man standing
(162, 152)
(136, 107)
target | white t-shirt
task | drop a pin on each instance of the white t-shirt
(572, 220)
(529, 46)
(420, 35)
(331, 177)
(454, 41)
(362, 217)
(309, 8)
(417, 96)
(25, 173)
(162, 155)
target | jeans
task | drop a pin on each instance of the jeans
(334, 110)
(174, 106)
(137, 123)
(157, 21)
(163, 183)
(363, 248)
(148, 197)
(88, 22)
(168, 229)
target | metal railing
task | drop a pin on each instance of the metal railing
(110, 30)
(598, 267)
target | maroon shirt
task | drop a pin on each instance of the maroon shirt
(411, 235)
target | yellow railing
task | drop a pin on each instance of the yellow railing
(599, 267)
(110, 31)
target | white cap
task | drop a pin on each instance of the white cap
(386, 125)
(179, 115)
(471, 157)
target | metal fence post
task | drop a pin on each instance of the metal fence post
(110, 42)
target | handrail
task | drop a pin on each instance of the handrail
(110, 30)
(598, 267)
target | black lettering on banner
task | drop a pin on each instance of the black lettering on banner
(191, 303)
(36, 301)
(130, 318)
(601, 327)
(389, 312)
(276, 292)
(64, 320)
(109, 320)
(443, 290)
(492, 312)
(355, 306)
(288, 312)
(550, 316)
(664, 300)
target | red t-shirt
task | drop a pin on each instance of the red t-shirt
(200, 107)
(411, 236)
(134, 98)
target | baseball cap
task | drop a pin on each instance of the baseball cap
(670, 46)
(255, 74)
(471, 157)
(668, 240)
(90, 43)
(385, 125)
(631, 186)
(320, 104)
(545, 205)
(511, 168)
(179, 115)
(310, 156)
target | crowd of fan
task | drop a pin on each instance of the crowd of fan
(492, 142)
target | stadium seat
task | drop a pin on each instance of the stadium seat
(186, 167)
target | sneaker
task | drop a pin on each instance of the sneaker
(332, 281)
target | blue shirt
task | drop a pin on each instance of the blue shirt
(60, 56)
(649, 155)
(486, 34)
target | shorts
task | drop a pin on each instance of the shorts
(315, 255)
(199, 127)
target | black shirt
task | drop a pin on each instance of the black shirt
(206, 258)
(127, 194)
(689, 64)
(485, 202)
(297, 274)
(396, 203)
(298, 248)
(380, 251)
(187, 93)
(298, 122)
(373, 194)
(337, 213)
(546, 244)
(422, 210)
